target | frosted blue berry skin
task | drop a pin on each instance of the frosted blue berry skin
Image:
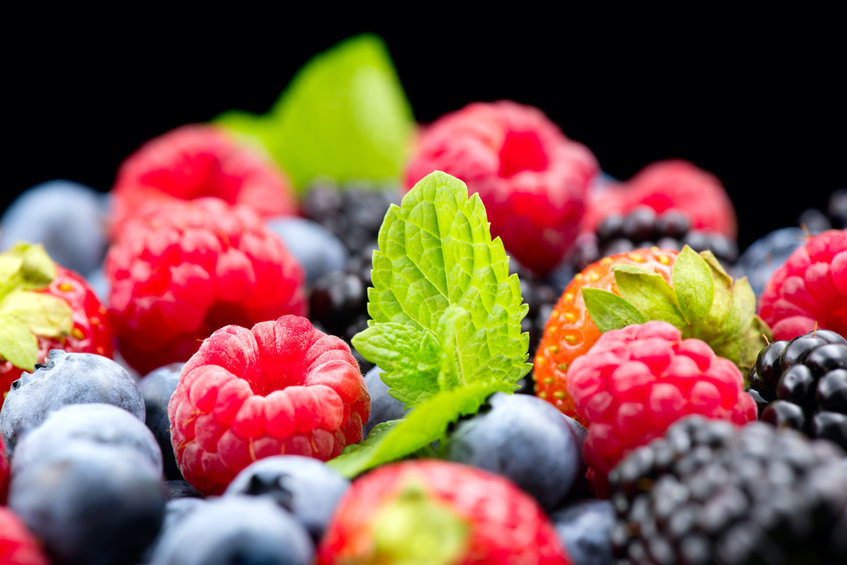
(66, 378)
(157, 387)
(68, 218)
(304, 486)
(526, 440)
(583, 528)
(315, 247)
(90, 503)
(765, 255)
(235, 529)
(99, 424)
(384, 407)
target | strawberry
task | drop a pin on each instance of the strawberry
(432, 511)
(183, 269)
(809, 290)
(673, 184)
(45, 306)
(695, 294)
(18, 546)
(197, 160)
(282, 387)
(532, 179)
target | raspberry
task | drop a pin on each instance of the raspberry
(184, 269)
(438, 512)
(18, 546)
(670, 185)
(532, 179)
(810, 289)
(282, 387)
(635, 382)
(193, 161)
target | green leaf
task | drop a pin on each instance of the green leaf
(43, 314)
(438, 271)
(27, 266)
(344, 115)
(693, 285)
(17, 344)
(649, 293)
(408, 355)
(426, 423)
(609, 311)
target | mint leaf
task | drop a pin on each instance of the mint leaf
(344, 115)
(609, 311)
(17, 344)
(693, 285)
(425, 424)
(649, 293)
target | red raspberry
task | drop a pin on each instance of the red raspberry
(476, 517)
(532, 179)
(664, 185)
(91, 331)
(282, 387)
(810, 289)
(4, 472)
(182, 270)
(635, 382)
(18, 546)
(193, 161)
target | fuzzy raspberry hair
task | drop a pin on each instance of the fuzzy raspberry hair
(186, 268)
(194, 161)
(499, 523)
(532, 179)
(282, 387)
(809, 290)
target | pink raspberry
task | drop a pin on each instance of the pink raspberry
(809, 290)
(18, 546)
(282, 387)
(637, 381)
(665, 185)
(186, 268)
(197, 160)
(532, 179)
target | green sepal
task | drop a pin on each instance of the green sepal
(25, 266)
(44, 314)
(649, 293)
(426, 423)
(693, 285)
(18, 345)
(609, 311)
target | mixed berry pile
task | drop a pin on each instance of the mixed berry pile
(274, 341)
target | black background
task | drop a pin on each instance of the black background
(755, 100)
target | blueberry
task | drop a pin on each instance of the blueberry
(304, 486)
(525, 439)
(66, 378)
(66, 217)
(157, 387)
(90, 503)
(235, 529)
(314, 246)
(384, 407)
(584, 529)
(765, 255)
(102, 424)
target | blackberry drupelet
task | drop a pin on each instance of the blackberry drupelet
(802, 384)
(338, 305)
(711, 493)
(643, 227)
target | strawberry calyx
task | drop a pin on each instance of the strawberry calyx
(702, 300)
(25, 312)
(414, 527)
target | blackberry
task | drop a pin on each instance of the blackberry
(834, 217)
(802, 384)
(338, 305)
(643, 227)
(711, 493)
